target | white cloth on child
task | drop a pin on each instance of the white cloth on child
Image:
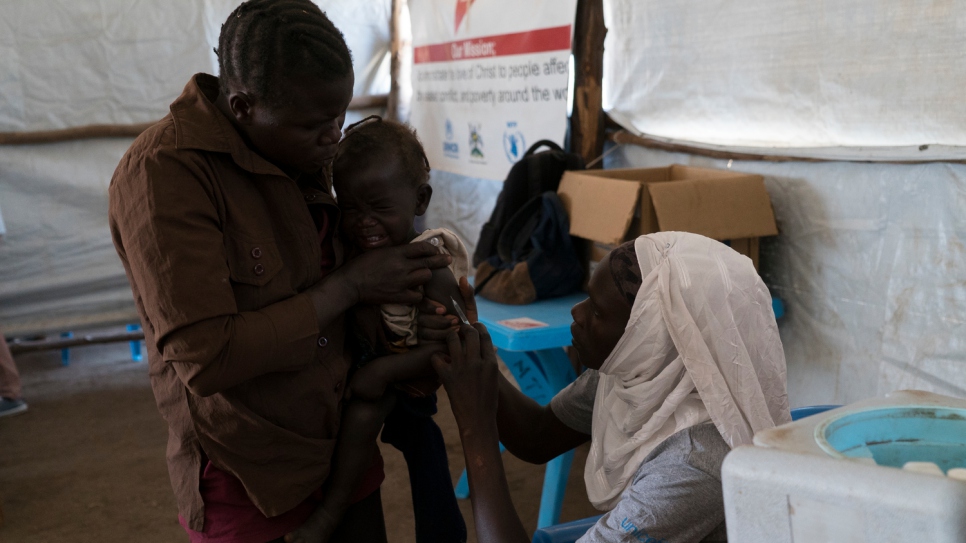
(701, 344)
(401, 318)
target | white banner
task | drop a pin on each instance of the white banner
(489, 79)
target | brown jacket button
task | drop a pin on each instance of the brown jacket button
(310, 197)
(323, 341)
(258, 269)
(257, 252)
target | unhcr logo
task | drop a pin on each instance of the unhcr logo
(450, 147)
(637, 533)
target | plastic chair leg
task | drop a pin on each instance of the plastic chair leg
(463, 487)
(554, 487)
(135, 345)
(65, 353)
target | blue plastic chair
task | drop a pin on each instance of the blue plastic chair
(569, 532)
(802, 412)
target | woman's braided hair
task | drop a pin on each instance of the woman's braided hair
(264, 39)
(375, 138)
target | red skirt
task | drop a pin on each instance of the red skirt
(231, 517)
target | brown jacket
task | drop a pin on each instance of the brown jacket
(218, 244)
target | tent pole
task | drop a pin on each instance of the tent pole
(18, 346)
(395, 45)
(587, 117)
(133, 130)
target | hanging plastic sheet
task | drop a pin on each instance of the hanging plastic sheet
(788, 73)
(871, 259)
(871, 264)
(66, 64)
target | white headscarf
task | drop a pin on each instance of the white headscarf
(701, 344)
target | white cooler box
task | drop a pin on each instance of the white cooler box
(836, 477)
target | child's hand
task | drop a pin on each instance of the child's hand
(367, 384)
(437, 318)
(433, 323)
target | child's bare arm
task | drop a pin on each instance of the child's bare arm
(371, 381)
(443, 288)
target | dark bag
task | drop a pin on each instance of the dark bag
(530, 177)
(535, 256)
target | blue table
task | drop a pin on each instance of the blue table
(536, 358)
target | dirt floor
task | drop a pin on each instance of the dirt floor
(85, 464)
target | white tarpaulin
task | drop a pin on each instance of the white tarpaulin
(65, 64)
(789, 73)
(871, 258)
(871, 264)
(58, 267)
(487, 85)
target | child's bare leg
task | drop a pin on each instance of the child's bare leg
(354, 450)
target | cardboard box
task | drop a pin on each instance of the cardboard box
(608, 207)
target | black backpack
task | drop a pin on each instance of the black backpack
(525, 251)
(530, 177)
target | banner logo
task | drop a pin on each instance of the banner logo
(476, 143)
(450, 147)
(513, 143)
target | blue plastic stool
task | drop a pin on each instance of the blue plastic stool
(567, 532)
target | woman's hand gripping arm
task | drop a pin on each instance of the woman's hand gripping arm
(530, 431)
(470, 376)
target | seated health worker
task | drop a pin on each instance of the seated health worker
(685, 363)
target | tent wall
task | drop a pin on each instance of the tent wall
(65, 64)
(871, 264)
(871, 259)
(461, 204)
(789, 73)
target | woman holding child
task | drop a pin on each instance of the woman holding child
(224, 219)
(684, 363)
